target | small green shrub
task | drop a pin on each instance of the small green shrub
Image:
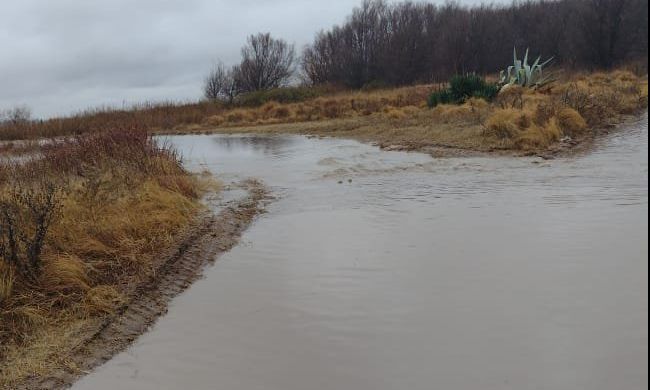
(441, 96)
(488, 92)
(462, 88)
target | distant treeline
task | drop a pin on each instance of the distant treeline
(405, 43)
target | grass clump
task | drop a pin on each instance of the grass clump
(571, 122)
(517, 119)
(82, 223)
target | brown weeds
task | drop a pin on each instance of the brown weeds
(81, 223)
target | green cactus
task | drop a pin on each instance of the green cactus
(525, 75)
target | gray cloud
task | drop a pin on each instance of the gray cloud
(63, 56)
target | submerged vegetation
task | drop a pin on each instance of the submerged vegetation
(82, 223)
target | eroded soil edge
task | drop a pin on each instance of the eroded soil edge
(209, 237)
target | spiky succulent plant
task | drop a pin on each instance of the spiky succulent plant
(525, 75)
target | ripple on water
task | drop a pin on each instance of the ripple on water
(419, 273)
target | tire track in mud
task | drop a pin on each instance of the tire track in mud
(211, 236)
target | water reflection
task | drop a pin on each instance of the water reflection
(269, 145)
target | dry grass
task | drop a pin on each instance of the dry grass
(328, 104)
(534, 120)
(518, 120)
(122, 199)
(394, 103)
(146, 116)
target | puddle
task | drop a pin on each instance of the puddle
(389, 270)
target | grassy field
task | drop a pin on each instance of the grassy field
(82, 223)
(517, 120)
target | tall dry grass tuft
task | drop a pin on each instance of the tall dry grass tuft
(528, 119)
(82, 222)
(6, 281)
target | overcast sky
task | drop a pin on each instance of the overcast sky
(61, 56)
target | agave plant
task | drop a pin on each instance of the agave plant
(525, 75)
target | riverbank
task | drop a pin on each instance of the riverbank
(563, 117)
(207, 237)
(98, 214)
(520, 121)
(87, 226)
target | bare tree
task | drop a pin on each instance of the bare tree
(602, 26)
(26, 214)
(221, 84)
(316, 60)
(411, 41)
(16, 116)
(266, 63)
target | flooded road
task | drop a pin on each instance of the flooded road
(388, 270)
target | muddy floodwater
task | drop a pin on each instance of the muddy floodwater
(388, 270)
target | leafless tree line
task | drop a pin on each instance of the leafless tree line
(409, 42)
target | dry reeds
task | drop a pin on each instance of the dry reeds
(528, 119)
(119, 198)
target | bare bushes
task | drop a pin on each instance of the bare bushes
(525, 119)
(83, 222)
(26, 214)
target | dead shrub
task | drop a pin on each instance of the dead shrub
(102, 300)
(447, 113)
(544, 112)
(394, 113)
(507, 123)
(571, 122)
(511, 97)
(7, 278)
(236, 116)
(576, 97)
(65, 273)
(282, 112)
(537, 137)
(26, 214)
(331, 108)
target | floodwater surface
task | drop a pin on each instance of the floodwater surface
(387, 270)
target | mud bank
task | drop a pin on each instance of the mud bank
(210, 236)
